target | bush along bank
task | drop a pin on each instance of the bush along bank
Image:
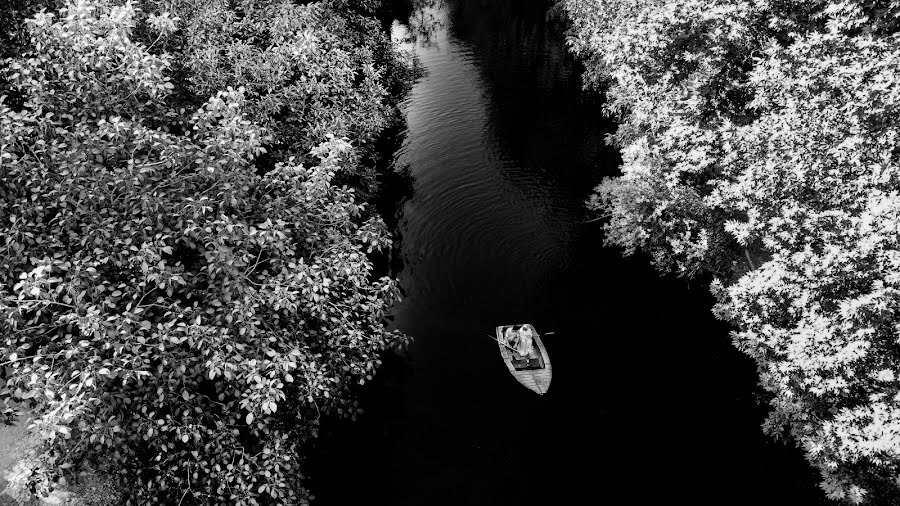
(186, 282)
(760, 146)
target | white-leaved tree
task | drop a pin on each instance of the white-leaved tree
(760, 144)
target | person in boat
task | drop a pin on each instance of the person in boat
(511, 337)
(525, 342)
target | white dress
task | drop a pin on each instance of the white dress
(526, 342)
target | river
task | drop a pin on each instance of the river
(649, 402)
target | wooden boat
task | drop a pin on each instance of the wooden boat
(533, 371)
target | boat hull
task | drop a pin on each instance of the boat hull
(536, 379)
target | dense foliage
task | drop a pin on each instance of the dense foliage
(13, 14)
(306, 71)
(176, 315)
(14, 35)
(760, 144)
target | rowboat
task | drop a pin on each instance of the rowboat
(533, 371)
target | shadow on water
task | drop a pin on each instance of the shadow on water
(649, 403)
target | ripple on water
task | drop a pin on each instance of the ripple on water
(472, 204)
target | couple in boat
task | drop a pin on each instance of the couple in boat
(522, 341)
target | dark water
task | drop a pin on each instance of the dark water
(649, 403)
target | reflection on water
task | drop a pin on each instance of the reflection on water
(649, 403)
(422, 27)
(474, 202)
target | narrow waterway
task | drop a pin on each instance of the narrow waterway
(649, 403)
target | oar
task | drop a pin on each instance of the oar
(498, 341)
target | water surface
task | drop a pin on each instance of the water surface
(649, 403)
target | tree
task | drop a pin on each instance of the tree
(171, 316)
(308, 70)
(768, 131)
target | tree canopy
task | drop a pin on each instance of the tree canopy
(760, 145)
(177, 315)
